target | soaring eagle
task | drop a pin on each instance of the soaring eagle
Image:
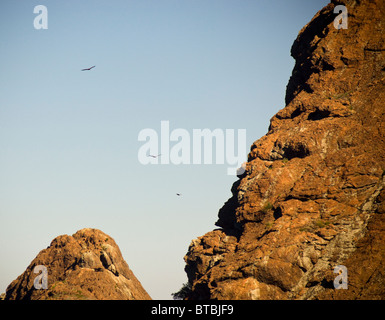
(88, 69)
(152, 156)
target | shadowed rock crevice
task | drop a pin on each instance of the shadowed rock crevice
(295, 151)
(318, 115)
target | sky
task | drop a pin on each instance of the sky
(69, 146)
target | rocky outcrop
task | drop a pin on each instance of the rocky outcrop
(312, 196)
(86, 265)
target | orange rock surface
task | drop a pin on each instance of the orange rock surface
(85, 266)
(312, 194)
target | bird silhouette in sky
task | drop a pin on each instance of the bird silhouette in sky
(152, 156)
(178, 194)
(88, 69)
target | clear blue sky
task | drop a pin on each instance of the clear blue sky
(69, 139)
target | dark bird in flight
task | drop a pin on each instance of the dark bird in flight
(178, 194)
(88, 69)
(152, 156)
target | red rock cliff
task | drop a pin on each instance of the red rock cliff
(313, 193)
(86, 265)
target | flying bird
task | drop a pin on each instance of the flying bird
(152, 156)
(88, 69)
(178, 194)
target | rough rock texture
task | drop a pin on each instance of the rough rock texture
(313, 195)
(86, 265)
